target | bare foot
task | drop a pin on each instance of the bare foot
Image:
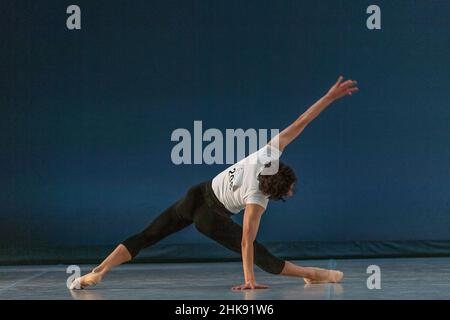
(334, 276)
(90, 279)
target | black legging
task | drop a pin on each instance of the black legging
(201, 207)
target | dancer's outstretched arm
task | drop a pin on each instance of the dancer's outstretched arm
(252, 218)
(337, 91)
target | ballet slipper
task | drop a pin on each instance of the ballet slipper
(334, 276)
(88, 280)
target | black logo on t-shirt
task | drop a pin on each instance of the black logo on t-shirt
(231, 176)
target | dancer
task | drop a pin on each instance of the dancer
(249, 184)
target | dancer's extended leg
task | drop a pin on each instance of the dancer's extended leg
(170, 221)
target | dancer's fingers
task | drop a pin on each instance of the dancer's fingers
(261, 286)
(249, 287)
(339, 80)
(352, 90)
(347, 84)
(240, 287)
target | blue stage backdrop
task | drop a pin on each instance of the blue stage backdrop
(86, 118)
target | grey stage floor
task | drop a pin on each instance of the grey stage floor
(427, 278)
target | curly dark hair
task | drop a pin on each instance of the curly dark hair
(277, 186)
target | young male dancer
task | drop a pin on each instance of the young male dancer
(247, 185)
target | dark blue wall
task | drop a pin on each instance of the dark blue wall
(86, 116)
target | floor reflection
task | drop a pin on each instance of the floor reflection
(86, 294)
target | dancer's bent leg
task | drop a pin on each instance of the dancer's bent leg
(225, 231)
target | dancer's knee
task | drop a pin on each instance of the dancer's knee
(204, 227)
(204, 224)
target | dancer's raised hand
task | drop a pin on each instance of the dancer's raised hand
(342, 88)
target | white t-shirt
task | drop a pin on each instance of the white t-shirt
(238, 185)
